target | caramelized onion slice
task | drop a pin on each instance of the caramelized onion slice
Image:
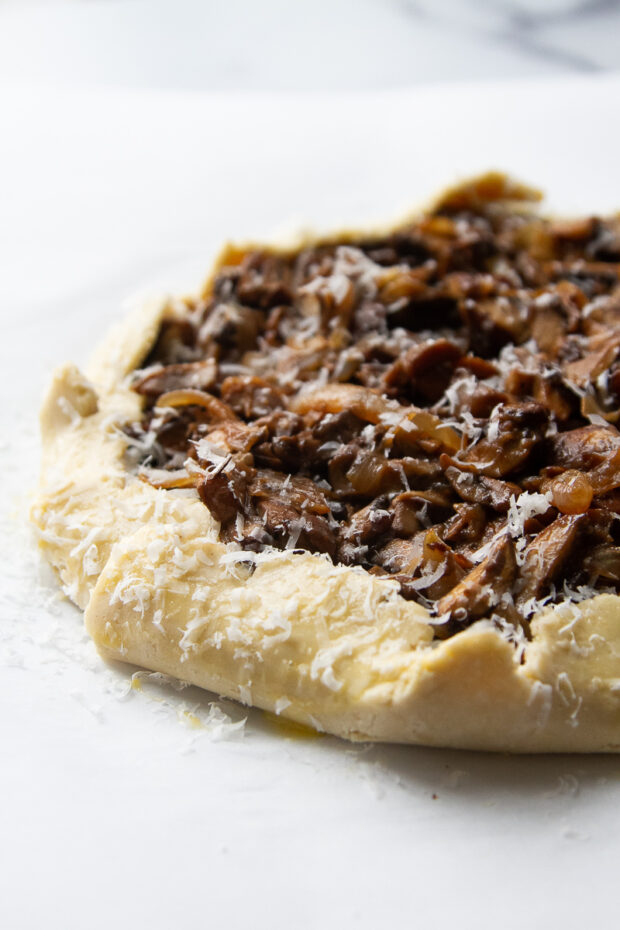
(188, 396)
(427, 423)
(334, 398)
(571, 492)
(373, 407)
(161, 478)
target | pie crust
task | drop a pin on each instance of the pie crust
(329, 646)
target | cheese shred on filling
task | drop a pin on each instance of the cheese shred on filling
(438, 405)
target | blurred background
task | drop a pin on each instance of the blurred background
(297, 45)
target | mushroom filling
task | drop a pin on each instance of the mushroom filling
(438, 405)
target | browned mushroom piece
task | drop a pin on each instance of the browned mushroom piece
(606, 477)
(405, 510)
(176, 341)
(547, 554)
(424, 370)
(298, 492)
(584, 448)
(296, 528)
(235, 436)
(371, 474)
(548, 328)
(466, 526)
(482, 589)
(496, 322)
(414, 509)
(251, 397)
(508, 439)
(359, 536)
(230, 326)
(604, 244)
(224, 490)
(425, 566)
(198, 376)
(546, 387)
(367, 524)
(432, 581)
(603, 563)
(401, 555)
(264, 280)
(603, 315)
(600, 353)
(478, 489)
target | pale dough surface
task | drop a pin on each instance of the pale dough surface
(328, 646)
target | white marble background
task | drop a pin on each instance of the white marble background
(302, 45)
(114, 809)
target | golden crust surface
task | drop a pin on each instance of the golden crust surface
(328, 646)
